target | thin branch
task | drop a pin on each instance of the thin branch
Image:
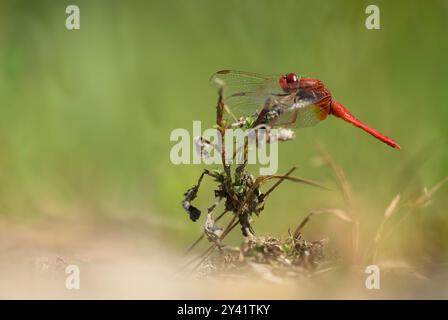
(278, 183)
(298, 179)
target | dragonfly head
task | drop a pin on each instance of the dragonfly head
(289, 82)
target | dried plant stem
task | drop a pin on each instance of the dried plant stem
(393, 208)
(347, 194)
(420, 202)
(301, 225)
(266, 194)
(220, 123)
(232, 224)
(336, 212)
(297, 179)
(209, 250)
(220, 109)
(194, 244)
(390, 210)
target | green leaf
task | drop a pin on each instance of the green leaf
(249, 122)
(239, 189)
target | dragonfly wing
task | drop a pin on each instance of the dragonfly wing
(246, 93)
(306, 112)
(235, 82)
(309, 116)
(250, 103)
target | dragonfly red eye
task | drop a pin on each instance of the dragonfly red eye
(291, 78)
(289, 81)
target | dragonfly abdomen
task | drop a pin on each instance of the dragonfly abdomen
(340, 111)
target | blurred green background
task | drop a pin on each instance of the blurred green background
(85, 115)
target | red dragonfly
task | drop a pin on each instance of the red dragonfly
(286, 100)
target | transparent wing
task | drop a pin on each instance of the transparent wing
(309, 108)
(246, 93)
(235, 82)
(305, 116)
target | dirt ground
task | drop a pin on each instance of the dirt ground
(116, 262)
